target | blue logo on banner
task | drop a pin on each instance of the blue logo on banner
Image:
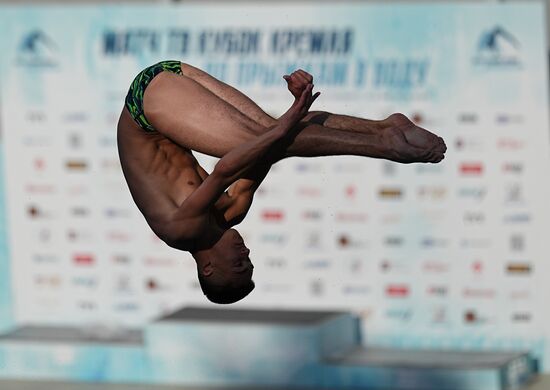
(496, 48)
(37, 50)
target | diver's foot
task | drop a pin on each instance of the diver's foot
(408, 143)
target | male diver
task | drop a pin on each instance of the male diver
(173, 108)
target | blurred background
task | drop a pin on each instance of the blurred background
(434, 257)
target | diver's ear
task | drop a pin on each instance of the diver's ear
(207, 269)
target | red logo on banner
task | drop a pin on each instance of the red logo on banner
(397, 290)
(83, 259)
(471, 168)
(273, 215)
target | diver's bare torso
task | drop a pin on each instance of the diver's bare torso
(160, 173)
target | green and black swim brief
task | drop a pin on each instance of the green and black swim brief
(134, 99)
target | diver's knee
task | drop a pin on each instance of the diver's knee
(317, 117)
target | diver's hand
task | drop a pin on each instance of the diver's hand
(297, 81)
(299, 108)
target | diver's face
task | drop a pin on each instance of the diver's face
(234, 258)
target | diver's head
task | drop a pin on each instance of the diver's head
(224, 268)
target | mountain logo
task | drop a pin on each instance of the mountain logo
(37, 49)
(497, 48)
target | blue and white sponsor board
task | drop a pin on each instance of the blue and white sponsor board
(440, 256)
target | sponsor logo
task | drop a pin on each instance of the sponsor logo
(276, 262)
(472, 317)
(390, 219)
(437, 291)
(393, 241)
(513, 193)
(475, 243)
(77, 189)
(477, 267)
(478, 293)
(351, 192)
(43, 234)
(37, 50)
(74, 140)
(37, 140)
(277, 288)
(510, 144)
(308, 167)
(342, 216)
(517, 218)
(317, 287)
(474, 217)
(83, 259)
(122, 284)
(519, 295)
(517, 268)
(313, 240)
(86, 305)
(112, 212)
(312, 215)
(118, 236)
(355, 266)
(152, 284)
(273, 215)
(468, 117)
(433, 266)
(35, 117)
(470, 144)
(76, 165)
(397, 290)
(439, 315)
(42, 258)
(78, 235)
(390, 193)
(429, 168)
(472, 193)
(50, 281)
(471, 169)
(387, 266)
(522, 317)
(317, 264)
(126, 307)
(401, 315)
(356, 289)
(266, 190)
(36, 212)
(309, 192)
(433, 242)
(85, 281)
(80, 211)
(389, 168)
(75, 117)
(273, 238)
(39, 164)
(123, 259)
(40, 188)
(345, 241)
(349, 167)
(514, 168)
(497, 48)
(432, 193)
(504, 119)
(159, 261)
(517, 243)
